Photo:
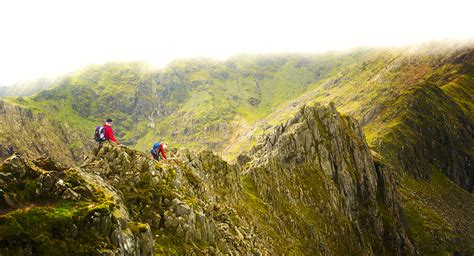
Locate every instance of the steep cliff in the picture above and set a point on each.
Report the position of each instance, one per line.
(317, 174)
(429, 130)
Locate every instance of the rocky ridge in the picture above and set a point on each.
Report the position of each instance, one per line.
(309, 188)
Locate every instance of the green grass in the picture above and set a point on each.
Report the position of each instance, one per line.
(439, 213)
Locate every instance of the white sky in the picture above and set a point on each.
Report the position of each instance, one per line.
(52, 37)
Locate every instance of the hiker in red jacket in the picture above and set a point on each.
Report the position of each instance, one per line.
(109, 133)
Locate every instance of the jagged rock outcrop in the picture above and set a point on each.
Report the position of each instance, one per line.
(184, 201)
(317, 174)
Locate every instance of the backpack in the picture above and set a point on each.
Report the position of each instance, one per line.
(155, 147)
(99, 135)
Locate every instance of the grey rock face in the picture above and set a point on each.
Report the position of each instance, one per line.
(318, 162)
(183, 210)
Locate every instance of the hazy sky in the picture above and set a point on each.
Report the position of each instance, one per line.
(52, 37)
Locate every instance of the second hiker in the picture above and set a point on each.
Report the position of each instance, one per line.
(157, 149)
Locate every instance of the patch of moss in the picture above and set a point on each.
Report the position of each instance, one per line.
(191, 201)
(138, 227)
(26, 190)
(47, 230)
(73, 177)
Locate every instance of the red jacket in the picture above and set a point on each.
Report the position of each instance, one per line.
(162, 150)
(158, 150)
(109, 133)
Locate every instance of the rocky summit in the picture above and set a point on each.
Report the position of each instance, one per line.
(311, 187)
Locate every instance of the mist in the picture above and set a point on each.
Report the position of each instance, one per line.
(49, 38)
